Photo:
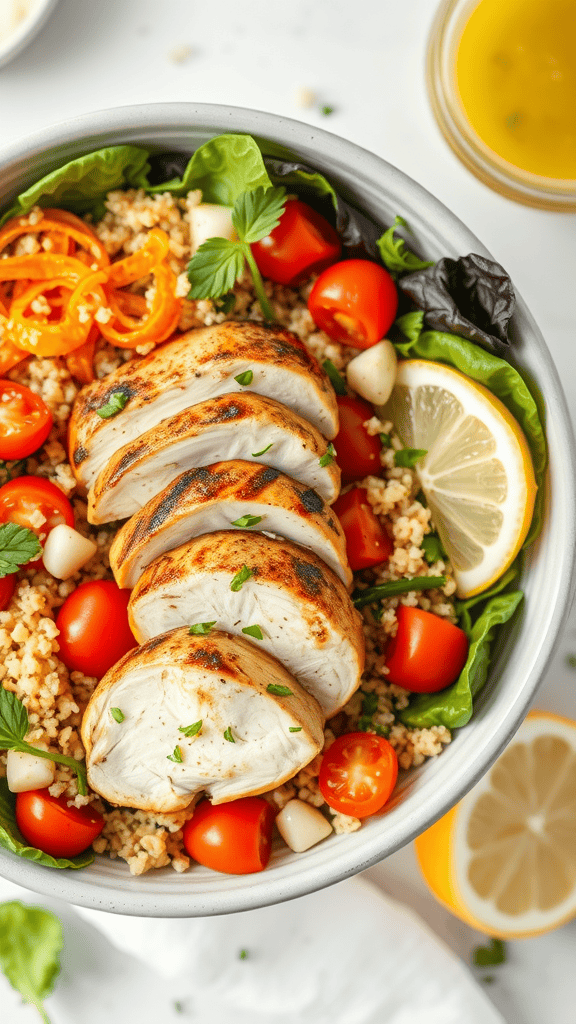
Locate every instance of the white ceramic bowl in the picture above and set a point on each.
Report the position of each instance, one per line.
(27, 28)
(522, 656)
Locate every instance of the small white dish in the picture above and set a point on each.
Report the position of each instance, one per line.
(26, 25)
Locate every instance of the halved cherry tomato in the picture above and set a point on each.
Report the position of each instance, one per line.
(7, 584)
(235, 837)
(25, 421)
(21, 498)
(47, 823)
(367, 543)
(354, 302)
(357, 451)
(303, 244)
(94, 629)
(358, 773)
(427, 653)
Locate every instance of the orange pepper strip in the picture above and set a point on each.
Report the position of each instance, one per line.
(42, 266)
(56, 338)
(60, 221)
(9, 355)
(142, 262)
(80, 362)
(162, 319)
(129, 309)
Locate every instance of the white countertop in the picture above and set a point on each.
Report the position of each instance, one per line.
(366, 60)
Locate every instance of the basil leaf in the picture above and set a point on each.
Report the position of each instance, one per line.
(222, 168)
(201, 628)
(408, 457)
(113, 406)
(175, 756)
(191, 730)
(228, 735)
(117, 715)
(13, 719)
(256, 455)
(393, 587)
(30, 945)
(246, 521)
(453, 707)
(240, 578)
(254, 631)
(257, 213)
(411, 324)
(432, 547)
(336, 379)
(214, 268)
(245, 378)
(279, 691)
(17, 547)
(328, 457)
(395, 254)
(12, 839)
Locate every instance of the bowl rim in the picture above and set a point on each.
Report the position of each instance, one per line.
(495, 730)
(26, 30)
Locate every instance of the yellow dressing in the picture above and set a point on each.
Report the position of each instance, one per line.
(516, 77)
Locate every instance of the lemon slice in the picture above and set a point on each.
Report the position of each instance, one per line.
(504, 859)
(477, 474)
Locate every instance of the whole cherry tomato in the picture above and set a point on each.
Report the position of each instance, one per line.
(21, 500)
(367, 543)
(94, 629)
(358, 773)
(47, 823)
(25, 421)
(427, 653)
(354, 302)
(234, 837)
(302, 244)
(7, 584)
(357, 451)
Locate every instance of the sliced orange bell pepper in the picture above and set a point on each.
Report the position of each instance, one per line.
(162, 318)
(62, 223)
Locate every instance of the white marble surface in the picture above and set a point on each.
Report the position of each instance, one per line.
(366, 60)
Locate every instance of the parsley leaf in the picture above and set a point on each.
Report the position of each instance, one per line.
(216, 264)
(329, 456)
(326, 110)
(176, 756)
(295, 728)
(13, 728)
(279, 691)
(255, 455)
(240, 578)
(378, 593)
(254, 631)
(113, 406)
(336, 379)
(117, 715)
(226, 303)
(191, 730)
(408, 457)
(243, 954)
(571, 660)
(201, 628)
(245, 378)
(256, 213)
(490, 955)
(17, 547)
(395, 255)
(30, 945)
(247, 520)
(369, 709)
(228, 735)
(432, 547)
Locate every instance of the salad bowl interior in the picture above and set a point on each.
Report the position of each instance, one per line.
(522, 651)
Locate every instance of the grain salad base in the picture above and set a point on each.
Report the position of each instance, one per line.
(56, 698)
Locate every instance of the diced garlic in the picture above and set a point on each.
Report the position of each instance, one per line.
(66, 551)
(372, 373)
(301, 825)
(26, 771)
(208, 220)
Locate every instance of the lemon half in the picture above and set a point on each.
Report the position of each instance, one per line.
(504, 859)
(477, 474)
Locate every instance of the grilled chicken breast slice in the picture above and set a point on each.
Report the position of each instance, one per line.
(244, 426)
(301, 608)
(175, 681)
(199, 365)
(216, 498)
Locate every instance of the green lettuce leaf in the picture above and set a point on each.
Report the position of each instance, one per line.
(82, 184)
(453, 707)
(463, 608)
(223, 168)
(30, 945)
(504, 381)
(12, 839)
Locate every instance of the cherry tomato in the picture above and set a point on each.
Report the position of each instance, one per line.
(367, 543)
(358, 773)
(47, 823)
(7, 584)
(25, 421)
(22, 498)
(302, 244)
(94, 630)
(357, 452)
(427, 653)
(235, 837)
(354, 302)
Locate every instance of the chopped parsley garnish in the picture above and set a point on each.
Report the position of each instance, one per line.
(491, 955)
(279, 691)
(369, 709)
(571, 660)
(228, 735)
(243, 954)
(113, 406)
(219, 262)
(408, 457)
(326, 110)
(384, 440)
(394, 252)
(245, 378)
(17, 547)
(263, 452)
(176, 756)
(329, 456)
(13, 728)
(240, 578)
(117, 715)
(294, 728)
(378, 593)
(254, 631)
(201, 628)
(246, 521)
(336, 379)
(191, 730)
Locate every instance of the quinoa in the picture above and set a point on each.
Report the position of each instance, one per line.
(29, 650)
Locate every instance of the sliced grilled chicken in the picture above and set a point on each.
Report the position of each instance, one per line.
(300, 608)
(226, 689)
(218, 497)
(199, 365)
(243, 426)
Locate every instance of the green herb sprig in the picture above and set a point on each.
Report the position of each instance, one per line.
(17, 547)
(13, 727)
(201, 628)
(116, 402)
(254, 631)
(256, 455)
(244, 379)
(228, 735)
(378, 593)
(328, 457)
(369, 709)
(117, 715)
(408, 457)
(191, 730)
(219, 262)
(336, 379)
(30, 945)
(245, 522)
(278, 690)
(491, 955)
(240, 578)
(175, 756)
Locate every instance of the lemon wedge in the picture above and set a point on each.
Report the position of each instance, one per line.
(477, 473)
(504, 859)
